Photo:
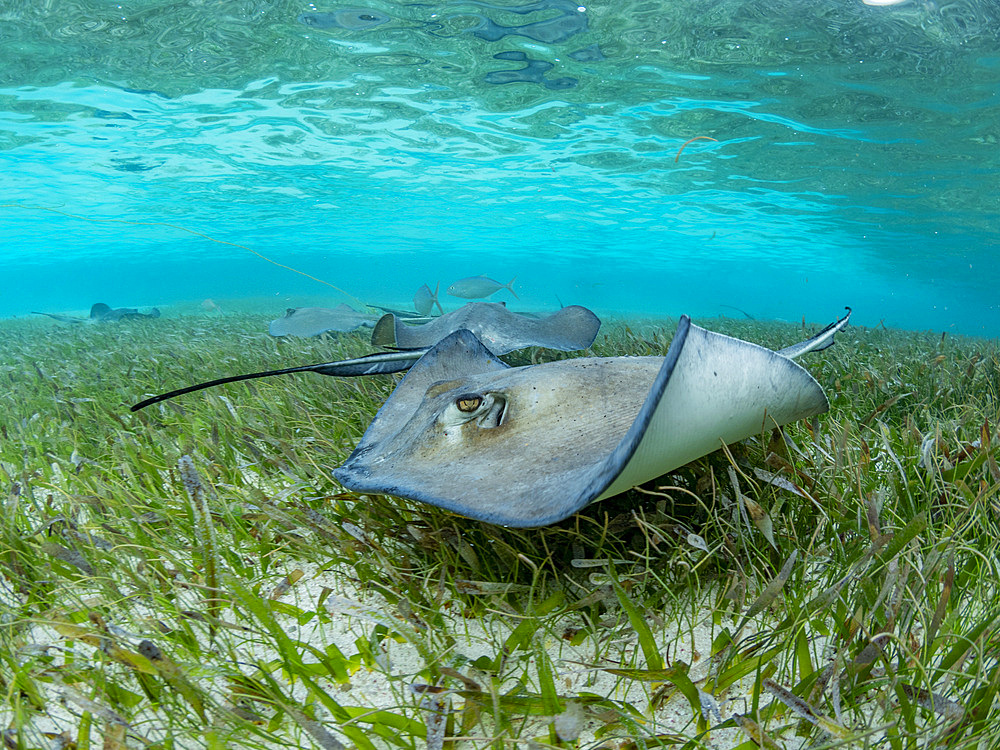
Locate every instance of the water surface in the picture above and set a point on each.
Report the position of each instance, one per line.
(384, 146)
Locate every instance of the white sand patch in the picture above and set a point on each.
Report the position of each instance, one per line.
(576, 668)
(325, 610)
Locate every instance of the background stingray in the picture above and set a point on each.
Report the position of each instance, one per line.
(312, 321)
(500, 330)
(103, 313)
(530, 446)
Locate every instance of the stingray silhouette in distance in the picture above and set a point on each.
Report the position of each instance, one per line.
(103, 313)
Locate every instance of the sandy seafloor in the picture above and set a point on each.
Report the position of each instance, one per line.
(354, 614)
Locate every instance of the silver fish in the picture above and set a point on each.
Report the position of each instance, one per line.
(477, 287)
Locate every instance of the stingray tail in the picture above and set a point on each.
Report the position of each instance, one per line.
(61, 318)
(510, 287)
(371, 364)
(819, 342)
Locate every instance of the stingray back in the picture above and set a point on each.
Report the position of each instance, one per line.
(572, 431)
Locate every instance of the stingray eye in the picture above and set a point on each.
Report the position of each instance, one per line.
(468, 403)
(474, 410)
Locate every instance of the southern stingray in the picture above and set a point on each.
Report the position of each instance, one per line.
(530, 446)
(103, 313)
(312, 321)
(500, 330)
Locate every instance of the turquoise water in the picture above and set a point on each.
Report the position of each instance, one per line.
(855, 158)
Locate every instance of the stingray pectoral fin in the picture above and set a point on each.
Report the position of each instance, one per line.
(569, 329)
(419, 333)
(712, 389)
(384, 334)
(99, 310)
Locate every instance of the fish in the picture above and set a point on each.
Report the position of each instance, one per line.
(477, 287)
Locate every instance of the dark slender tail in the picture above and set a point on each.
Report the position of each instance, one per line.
(372, 364)
(819, 342)
(745, 313)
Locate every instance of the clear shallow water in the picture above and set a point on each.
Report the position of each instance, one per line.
(855, 160)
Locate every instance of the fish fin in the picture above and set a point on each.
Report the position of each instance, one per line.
(435, 300)
(510, 288)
